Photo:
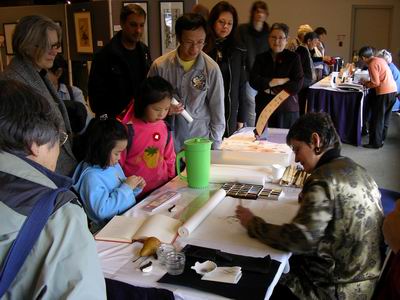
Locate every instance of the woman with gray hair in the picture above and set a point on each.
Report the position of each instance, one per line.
(336, 236)
(63, 262)
(386, 55)
(36, 42)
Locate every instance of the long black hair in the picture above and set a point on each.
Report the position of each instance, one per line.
(216, 11)
(99, 139)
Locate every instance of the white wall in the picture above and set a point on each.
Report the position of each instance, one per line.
(334, 15)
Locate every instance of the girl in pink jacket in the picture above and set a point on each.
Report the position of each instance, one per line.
(150, 152)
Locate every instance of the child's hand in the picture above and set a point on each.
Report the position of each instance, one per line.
(135, 182)
(175, 109)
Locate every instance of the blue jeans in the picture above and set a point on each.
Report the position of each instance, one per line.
(251, 105)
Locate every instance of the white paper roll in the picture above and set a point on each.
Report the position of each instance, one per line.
(223, 174)
(184, 113)
(191, 224)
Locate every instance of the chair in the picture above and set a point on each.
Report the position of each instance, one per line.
(388, 199)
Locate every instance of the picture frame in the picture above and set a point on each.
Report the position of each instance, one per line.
(169, 12)
(8, 35)
(83, 32)
(145, 36)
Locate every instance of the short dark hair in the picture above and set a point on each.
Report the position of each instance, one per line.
(60, 63)
(320, 123)
(320, 31)
(220, 7)
(30, 36)
(366, 51)
(280, 26)
(310, 36)
(201, 10)
(152, 90)
(26, 117)
(100, 138)
(130, 9)
(257, 5)
(189, 21)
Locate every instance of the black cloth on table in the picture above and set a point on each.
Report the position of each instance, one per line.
(257, 273)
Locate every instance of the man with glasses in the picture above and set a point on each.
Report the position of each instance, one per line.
(197, 83)
(36, 42)
(120, 67)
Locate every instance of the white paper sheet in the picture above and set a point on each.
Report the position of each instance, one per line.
(234, 235)
(225, 173)
(191, 224)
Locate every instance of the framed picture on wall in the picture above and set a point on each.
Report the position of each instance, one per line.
(8, 34)
(83, 32)
(145, 36)
(169, 12)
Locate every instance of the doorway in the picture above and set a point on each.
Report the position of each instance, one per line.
(371, 26)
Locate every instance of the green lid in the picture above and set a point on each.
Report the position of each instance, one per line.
(198, 143)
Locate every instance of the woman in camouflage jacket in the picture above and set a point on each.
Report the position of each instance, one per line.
(335, 237)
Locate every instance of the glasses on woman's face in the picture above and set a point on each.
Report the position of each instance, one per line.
(63, 136)
(191, 44)
(54, 46)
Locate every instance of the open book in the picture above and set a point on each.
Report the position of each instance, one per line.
(128, 229)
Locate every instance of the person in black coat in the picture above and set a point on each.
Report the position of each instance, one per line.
(119, 68)
(310, 76)
(231, 58)
(273, 71)
(254, 37)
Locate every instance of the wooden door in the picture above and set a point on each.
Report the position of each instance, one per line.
(371, 26)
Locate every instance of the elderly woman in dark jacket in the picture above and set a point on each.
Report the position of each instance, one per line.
(36, 42)
(273, 71)
(231, 59)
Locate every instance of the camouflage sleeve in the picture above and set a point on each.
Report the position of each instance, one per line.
(307, 228)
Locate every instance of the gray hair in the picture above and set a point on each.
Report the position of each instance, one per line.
(386, 55)
(28, 41)
(26, 117)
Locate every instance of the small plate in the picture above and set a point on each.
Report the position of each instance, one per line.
(205, 267)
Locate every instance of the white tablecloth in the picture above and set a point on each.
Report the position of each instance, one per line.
(116, 258)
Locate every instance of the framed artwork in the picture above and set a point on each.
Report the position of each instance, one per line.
(169, 12)
(145, 36)
(83, 32)
(8, 34)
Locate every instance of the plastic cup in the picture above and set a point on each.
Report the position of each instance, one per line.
(277, 171)
(162, 252)
(175, 263)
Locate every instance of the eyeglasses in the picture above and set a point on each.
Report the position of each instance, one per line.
(63, 136)
(199, 44)
(279, 39)
(55, 46)
(223, 23)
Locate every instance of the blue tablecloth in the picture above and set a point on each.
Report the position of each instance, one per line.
(345, 109)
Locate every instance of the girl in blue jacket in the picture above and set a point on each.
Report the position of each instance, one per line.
(104, 189)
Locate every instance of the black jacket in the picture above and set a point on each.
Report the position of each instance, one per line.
(232, 62)
(113, 83)
(287, 64)
(254, 41)
(306, 63)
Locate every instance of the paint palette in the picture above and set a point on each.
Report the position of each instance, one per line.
(244, 191)
(270, 194)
